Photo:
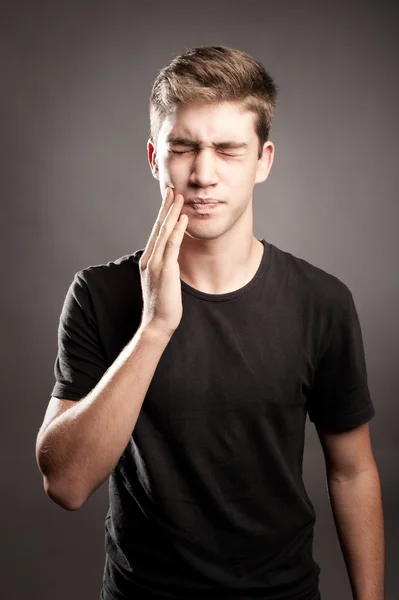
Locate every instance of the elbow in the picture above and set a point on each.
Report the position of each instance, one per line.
(59, 491)
(67, 501)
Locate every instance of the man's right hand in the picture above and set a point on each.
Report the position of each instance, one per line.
(159, 268)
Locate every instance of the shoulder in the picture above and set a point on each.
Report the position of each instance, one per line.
(316, 286)
(122, 270)
(110, 288)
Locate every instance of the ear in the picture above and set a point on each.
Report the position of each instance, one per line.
(265, 162)
(152, 158)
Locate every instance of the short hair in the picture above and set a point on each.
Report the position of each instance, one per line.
(212, 74)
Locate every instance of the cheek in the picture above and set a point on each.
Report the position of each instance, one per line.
(172, 166)
(165, 169)
(180, 172)
(240, 174)
(171, 172)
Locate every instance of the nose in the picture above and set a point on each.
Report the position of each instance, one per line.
(204, 168)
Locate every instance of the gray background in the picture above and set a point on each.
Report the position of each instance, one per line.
(76, 190)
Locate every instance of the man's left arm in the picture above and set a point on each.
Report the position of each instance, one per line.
(356, 501)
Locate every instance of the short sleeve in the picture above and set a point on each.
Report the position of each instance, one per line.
(80, 362)
(339, 397)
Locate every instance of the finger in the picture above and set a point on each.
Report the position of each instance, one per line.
(166, 229)
(163, 211)
(173, 244)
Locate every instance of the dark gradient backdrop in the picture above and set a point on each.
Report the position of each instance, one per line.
(76, 190)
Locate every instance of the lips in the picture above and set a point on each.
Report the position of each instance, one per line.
(203, 209)
(201, 201)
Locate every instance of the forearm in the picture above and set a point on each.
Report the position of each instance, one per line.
(82, 446)
(358, 514)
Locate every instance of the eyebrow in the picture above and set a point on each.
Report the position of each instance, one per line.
(183, 141)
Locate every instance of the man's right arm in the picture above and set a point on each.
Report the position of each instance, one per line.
(80, 447)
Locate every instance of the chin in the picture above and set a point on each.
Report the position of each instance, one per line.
(203, 235)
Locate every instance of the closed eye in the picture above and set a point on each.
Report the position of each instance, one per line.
(187, 151)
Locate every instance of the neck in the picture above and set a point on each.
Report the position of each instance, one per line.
(220, 265)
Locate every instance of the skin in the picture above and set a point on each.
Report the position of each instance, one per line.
(219, 252)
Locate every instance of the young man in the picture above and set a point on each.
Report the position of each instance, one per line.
(186, 370)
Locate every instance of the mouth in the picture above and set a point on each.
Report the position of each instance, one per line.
(202, 201)
(204, 207)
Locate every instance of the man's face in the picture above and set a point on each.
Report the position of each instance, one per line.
(211, 151)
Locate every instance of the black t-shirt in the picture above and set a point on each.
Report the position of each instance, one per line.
(207, 499)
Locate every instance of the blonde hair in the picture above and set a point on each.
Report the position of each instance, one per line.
(213, 74)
